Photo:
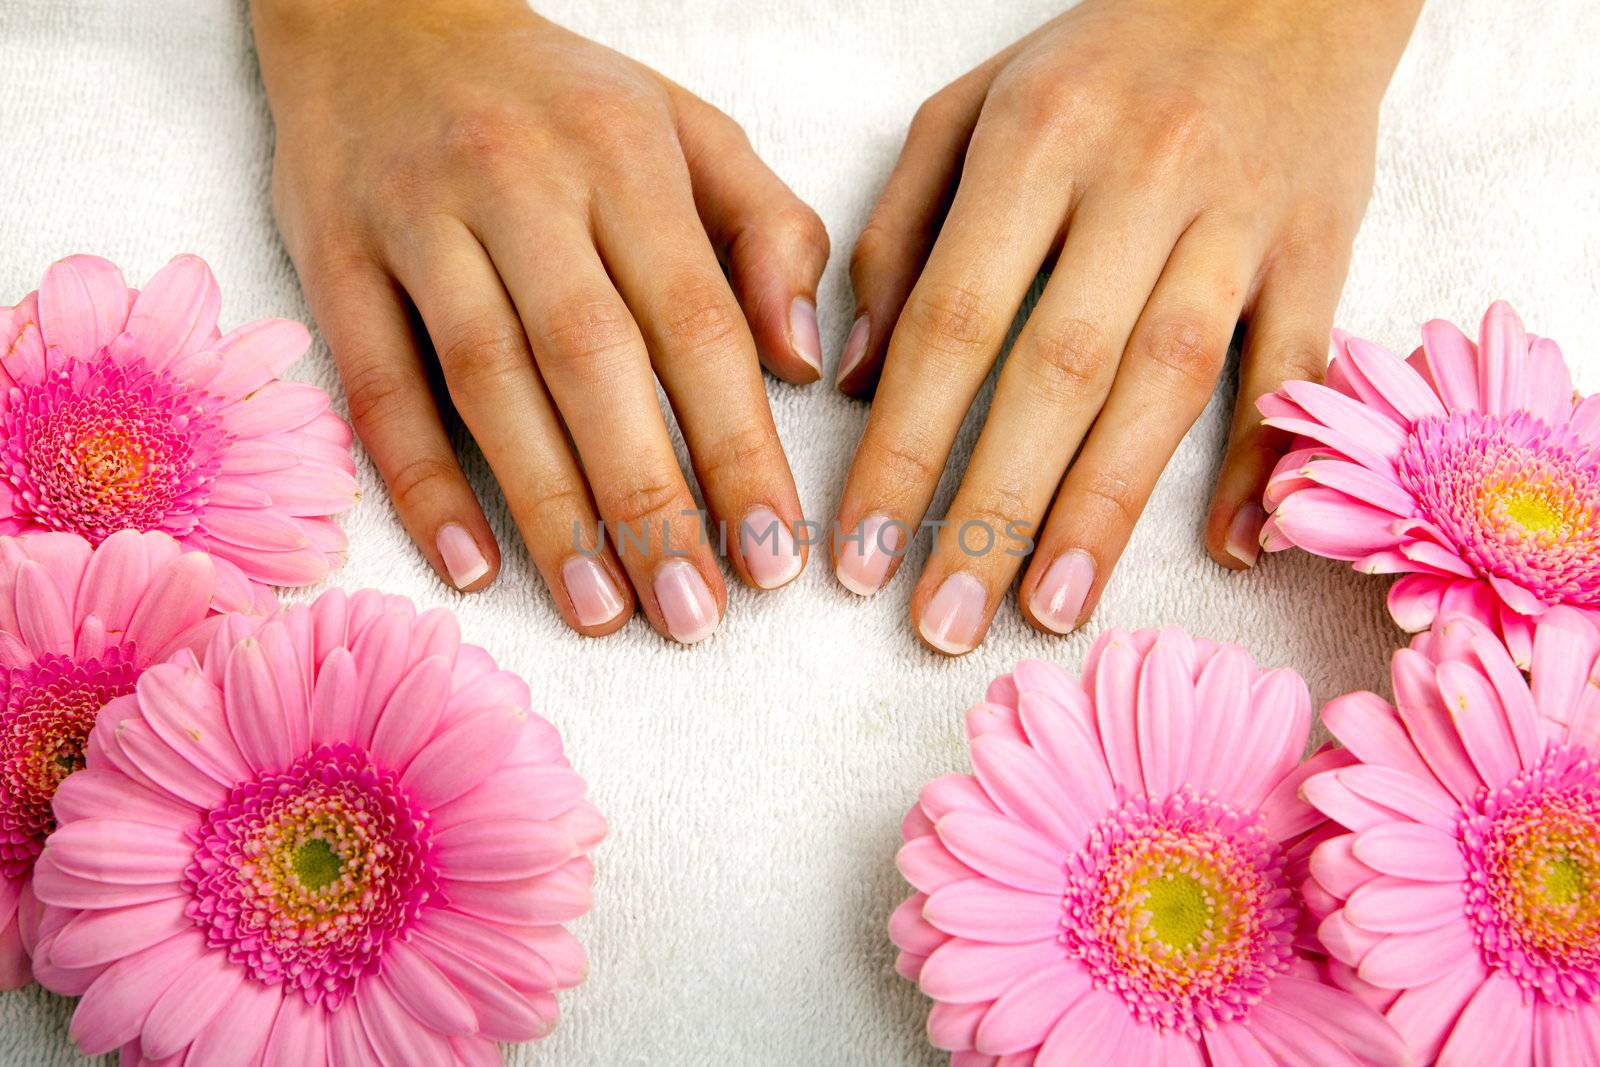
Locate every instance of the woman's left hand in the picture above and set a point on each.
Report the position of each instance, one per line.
(1184, 164)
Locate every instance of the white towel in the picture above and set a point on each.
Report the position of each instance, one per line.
(754, 785)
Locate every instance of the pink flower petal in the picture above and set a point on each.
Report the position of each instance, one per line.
(1370, 727)
(83, 305)
(1429, 723)
(954, 1027)
(1334, 409)
(1296, 1043)
(1115, 689)
(91, 792)
(115, 1005)
(1502, 344)
(1494, 1027)
(910, 932)
(176, 314)
(1024, 1015)
(1165, 719)
(1331, 524)
(298, 1035)
(396, 1035)
(1068, 743)
(334, 700)
(125, 853)
(1398, 906)
(185, 711)
(1403, 961)
(1005, 850)
(1232, 1045)
(499, 1011)
(1361, 484)
(97, 938)
(964, 971)
(1481, 721)
(558, 896)
(1025, 788)
(534, 960)
(1414, 601)
(1452, 362)
(1358, 1029)
(929, 866)
(238, 1034)
(460, 756)
(1279, 727)
(1410, 850)
(1097, 1023)
(1397, 383)
(196, 996)
(1336, 869)
(146, 753)
(502, 851)
(256, 353)
(411, 714)
(986, 911)
(425, 992)
(1405, 794)
(43, 615)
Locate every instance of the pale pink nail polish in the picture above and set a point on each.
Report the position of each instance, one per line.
(769, 549)
(864, 560)
(1060, 596)
(463, 560)
(855, 349)
(686, 602)
(954, 616)
(595, 598)
(1244, 534)
(803, 334)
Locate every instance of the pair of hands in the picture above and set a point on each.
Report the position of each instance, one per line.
(559, 228)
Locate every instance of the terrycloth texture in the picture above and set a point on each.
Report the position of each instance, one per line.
(755, 784)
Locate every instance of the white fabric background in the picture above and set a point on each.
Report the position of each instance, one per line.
(755, 784)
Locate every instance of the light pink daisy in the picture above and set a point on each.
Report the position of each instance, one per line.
(1470, 469)
(1114, 884)
(78, 625)
(342, 838)
(125, 410)
(1466, 892)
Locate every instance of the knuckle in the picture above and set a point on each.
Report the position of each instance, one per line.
(486, 136)
(372, 388)
(1045, 101)
(578, 331)
(552, 503)
(874, 249)
(910, 462)
(419, 479)
(475, 354)
(643, 502)
(1069, 357)
(951, 317)
(798, 228)
(701, 314)
(1114, 494)
(1185, 349)
(737, 452)
(1183, 127)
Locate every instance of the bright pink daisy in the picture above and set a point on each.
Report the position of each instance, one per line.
(78, 625)
(340, 839)
(1115, 883)
(1470, 469)
(1466, 892)
(125, 410)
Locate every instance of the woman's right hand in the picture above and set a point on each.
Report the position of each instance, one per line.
(555, 213)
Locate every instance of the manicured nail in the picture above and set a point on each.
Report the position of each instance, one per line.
(803, 335)
(1244, 534)
(595, 598)
(1058, 600)
(769, 549)
(686, 602)
(864, 562)
(855, 349)
(463, 561)
(954, 616)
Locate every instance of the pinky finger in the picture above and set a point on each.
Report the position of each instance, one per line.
(363, 317)
(1287, 339)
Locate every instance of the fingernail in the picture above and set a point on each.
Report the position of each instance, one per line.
(463, 561)
(594, 595)
(769, 549)
(803, 335)
(855, 349)
(953, 617)
(1059, 598)
(1244, 534)
(864, 563)
(686, 602)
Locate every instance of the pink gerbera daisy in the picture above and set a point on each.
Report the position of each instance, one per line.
(125, 410)
(1467, 891)
(343, 838)
(1114, 885)
(78, 625)
(1469, 468)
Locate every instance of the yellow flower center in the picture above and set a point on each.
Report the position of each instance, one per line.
(1179, 909)
(316, 864)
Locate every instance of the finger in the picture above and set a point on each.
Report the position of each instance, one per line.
(1052, 387)
(703, 353)
(987, 255)
(775, 246)
(592, 359)
(369, 333)
(1168, 374)
(1287, 338)
(900, 232)
(492, 381)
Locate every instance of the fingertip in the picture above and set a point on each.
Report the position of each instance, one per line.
(468, 562)
(804, 337)
(598, 600)
(954, 617)
(1057, 596)
(855, 374)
